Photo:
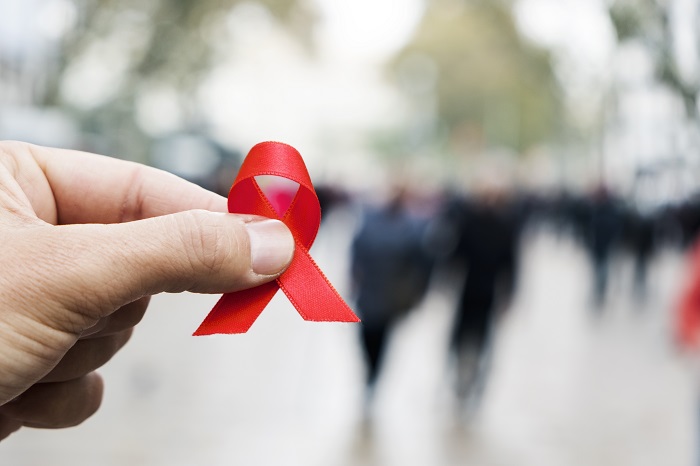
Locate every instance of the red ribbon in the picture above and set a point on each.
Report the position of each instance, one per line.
(303, 282)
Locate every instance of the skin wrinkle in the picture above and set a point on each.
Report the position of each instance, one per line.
(134, 262)
(203, 235)
(32, 342)
(33, 193)
(22, 344)
(31, 335)
(88, 259)
(44, 163)
(32, 150)
(213, 258)
(128, 316)
(196, 242)
(16, 217)
(39, 273)
(82, 258)
(13, 197)
(19, 202)
(8, 160)
(70, 323)
(239, 248)
(132, 196)
(225, 247)
(169, 269)
(192, 242)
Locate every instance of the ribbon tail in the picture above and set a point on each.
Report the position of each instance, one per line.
(311, 293)
(236, 312)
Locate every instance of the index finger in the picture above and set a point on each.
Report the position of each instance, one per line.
(91, 188)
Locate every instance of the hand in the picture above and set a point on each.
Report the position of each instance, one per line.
(84, 241)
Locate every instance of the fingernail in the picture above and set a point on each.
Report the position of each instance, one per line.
(271, 246)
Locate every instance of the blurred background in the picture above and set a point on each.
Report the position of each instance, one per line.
(510, 202)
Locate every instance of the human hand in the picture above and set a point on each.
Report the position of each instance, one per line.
(85, 240)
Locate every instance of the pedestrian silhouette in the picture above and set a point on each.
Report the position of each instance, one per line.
(390, 274)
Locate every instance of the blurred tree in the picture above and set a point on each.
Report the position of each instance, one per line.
(144, 44)
(649, 21)
(485, 84)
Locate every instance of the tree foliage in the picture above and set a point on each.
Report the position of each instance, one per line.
(168, 42)
(649, 21)
(490, 83)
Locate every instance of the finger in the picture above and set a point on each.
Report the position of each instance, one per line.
(8, 426)
(57, 405)
(122, 319)
(91, 188)
(86, 356)
(200, 251)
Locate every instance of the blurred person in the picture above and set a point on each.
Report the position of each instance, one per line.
(86, 240)
(569, 215)
(688, 317)
(390, 270)
(686, 216)
(687, 322)
(639, 236)
(330, 197)
(601, 234)
(487, 235)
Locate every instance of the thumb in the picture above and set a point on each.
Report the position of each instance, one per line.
(196, 250)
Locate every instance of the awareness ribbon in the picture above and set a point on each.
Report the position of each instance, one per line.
(305, 285)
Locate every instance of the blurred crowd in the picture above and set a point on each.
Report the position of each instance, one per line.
(471, 241)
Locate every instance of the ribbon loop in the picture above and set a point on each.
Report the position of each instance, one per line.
(305, 285)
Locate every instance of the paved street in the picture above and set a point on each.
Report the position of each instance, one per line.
(567, 387)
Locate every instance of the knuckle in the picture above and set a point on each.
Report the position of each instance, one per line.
(206, 242)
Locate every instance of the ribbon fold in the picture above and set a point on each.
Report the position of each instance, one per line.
(305, 285)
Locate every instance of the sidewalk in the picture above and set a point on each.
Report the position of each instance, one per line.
(566, 388)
